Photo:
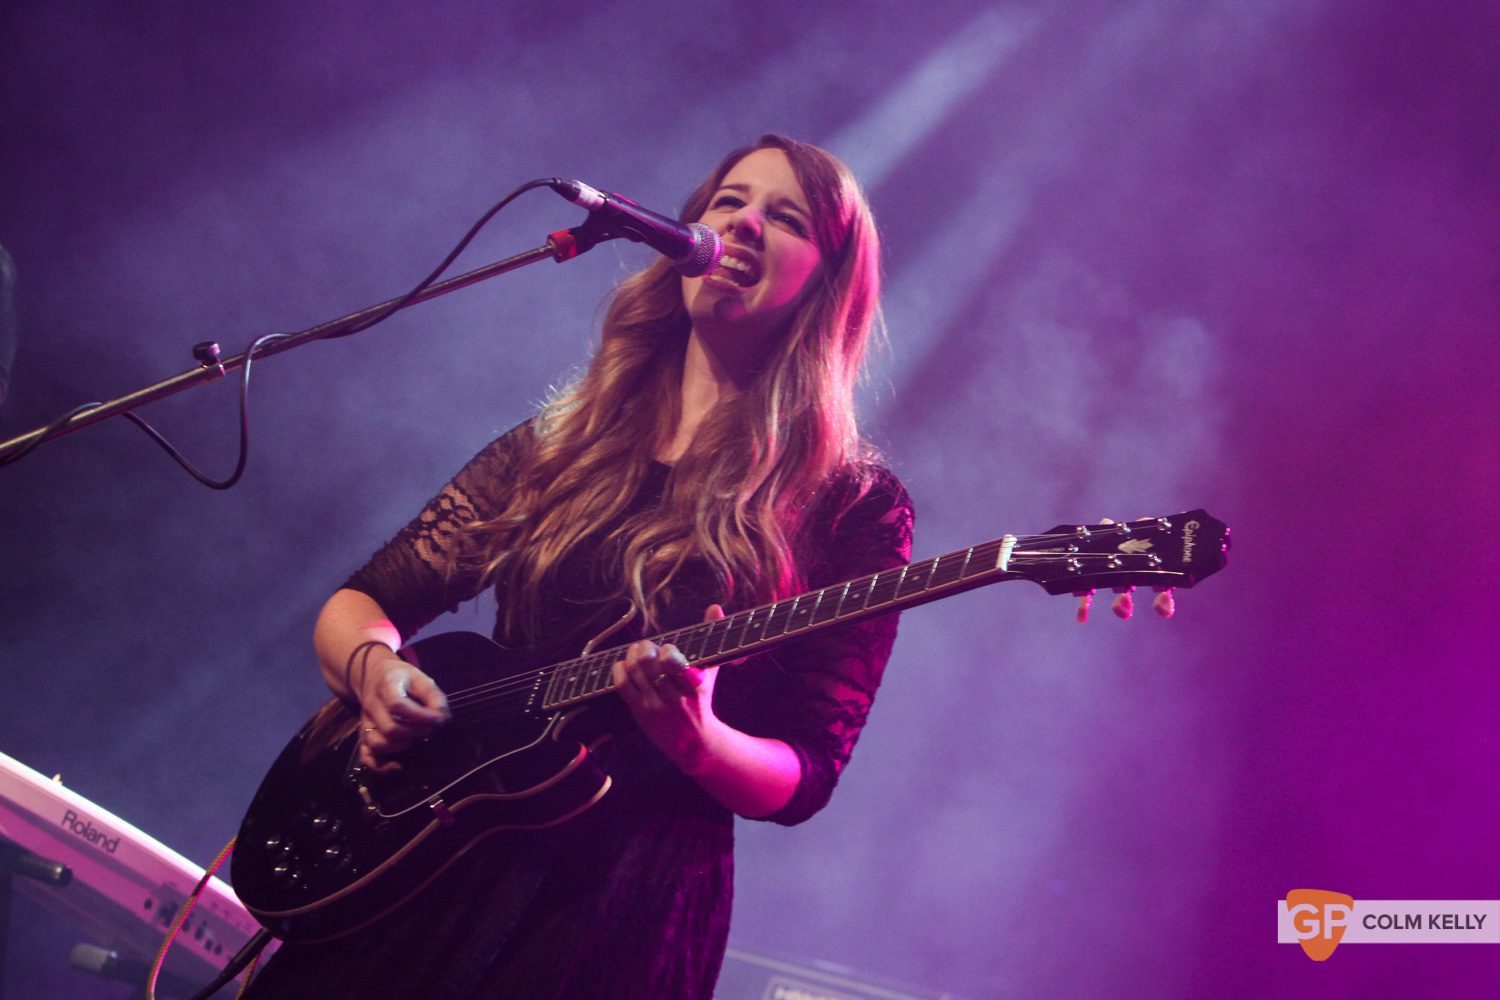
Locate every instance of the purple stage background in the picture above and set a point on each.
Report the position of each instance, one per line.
(1142, 256)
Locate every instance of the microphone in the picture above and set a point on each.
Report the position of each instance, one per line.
(693, 248)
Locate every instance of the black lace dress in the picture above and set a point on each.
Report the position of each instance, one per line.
(632, 898)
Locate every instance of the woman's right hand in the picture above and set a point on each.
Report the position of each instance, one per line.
(399, 705)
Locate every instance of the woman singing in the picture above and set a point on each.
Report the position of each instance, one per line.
(708, 459)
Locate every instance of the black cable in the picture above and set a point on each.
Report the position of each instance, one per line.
(242, 958)
(239, 467)
(47, 431)
(258, 343)
(406, 299)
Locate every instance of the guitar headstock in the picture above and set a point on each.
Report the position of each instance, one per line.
(1173, 551)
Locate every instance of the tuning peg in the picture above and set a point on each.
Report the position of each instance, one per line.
(1163, 603)
(1123, 605)
(1085, 601)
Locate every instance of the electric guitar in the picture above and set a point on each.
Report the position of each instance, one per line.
(328, 846)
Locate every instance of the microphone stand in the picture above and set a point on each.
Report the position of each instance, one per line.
(565, 244)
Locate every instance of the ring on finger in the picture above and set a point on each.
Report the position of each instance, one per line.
(661, 679)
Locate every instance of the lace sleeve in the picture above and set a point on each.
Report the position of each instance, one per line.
(815, 694)
(417, 576)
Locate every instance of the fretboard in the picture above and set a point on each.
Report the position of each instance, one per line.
(758, 629)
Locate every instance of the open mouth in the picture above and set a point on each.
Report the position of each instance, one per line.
(738, 270)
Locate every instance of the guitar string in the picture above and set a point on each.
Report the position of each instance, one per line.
(515, 692)
(509, 700)
(585, 666)
(528, 679)
(482, 701)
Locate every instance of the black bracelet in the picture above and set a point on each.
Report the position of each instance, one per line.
(364, 664)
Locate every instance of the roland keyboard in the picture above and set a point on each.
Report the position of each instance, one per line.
(127, 886)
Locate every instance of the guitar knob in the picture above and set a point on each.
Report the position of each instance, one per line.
(272, 842)
(286, 873)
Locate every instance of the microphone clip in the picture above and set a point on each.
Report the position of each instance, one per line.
(569, 243)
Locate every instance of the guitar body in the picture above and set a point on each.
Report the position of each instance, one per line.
(327, 846)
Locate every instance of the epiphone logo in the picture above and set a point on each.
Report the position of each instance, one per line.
(88, 831)
(1187, 540)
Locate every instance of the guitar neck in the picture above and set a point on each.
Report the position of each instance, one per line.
(1173, 551)
(770, 625)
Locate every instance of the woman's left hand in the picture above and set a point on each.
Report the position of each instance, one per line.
(671, 700)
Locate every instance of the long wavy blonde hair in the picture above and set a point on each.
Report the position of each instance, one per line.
(737, 498)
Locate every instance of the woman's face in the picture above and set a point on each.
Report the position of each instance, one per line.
(770, 258)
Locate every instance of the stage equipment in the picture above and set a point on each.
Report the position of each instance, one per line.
(749, 976)
(693, 248)
(562, 245)
(126, 886)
